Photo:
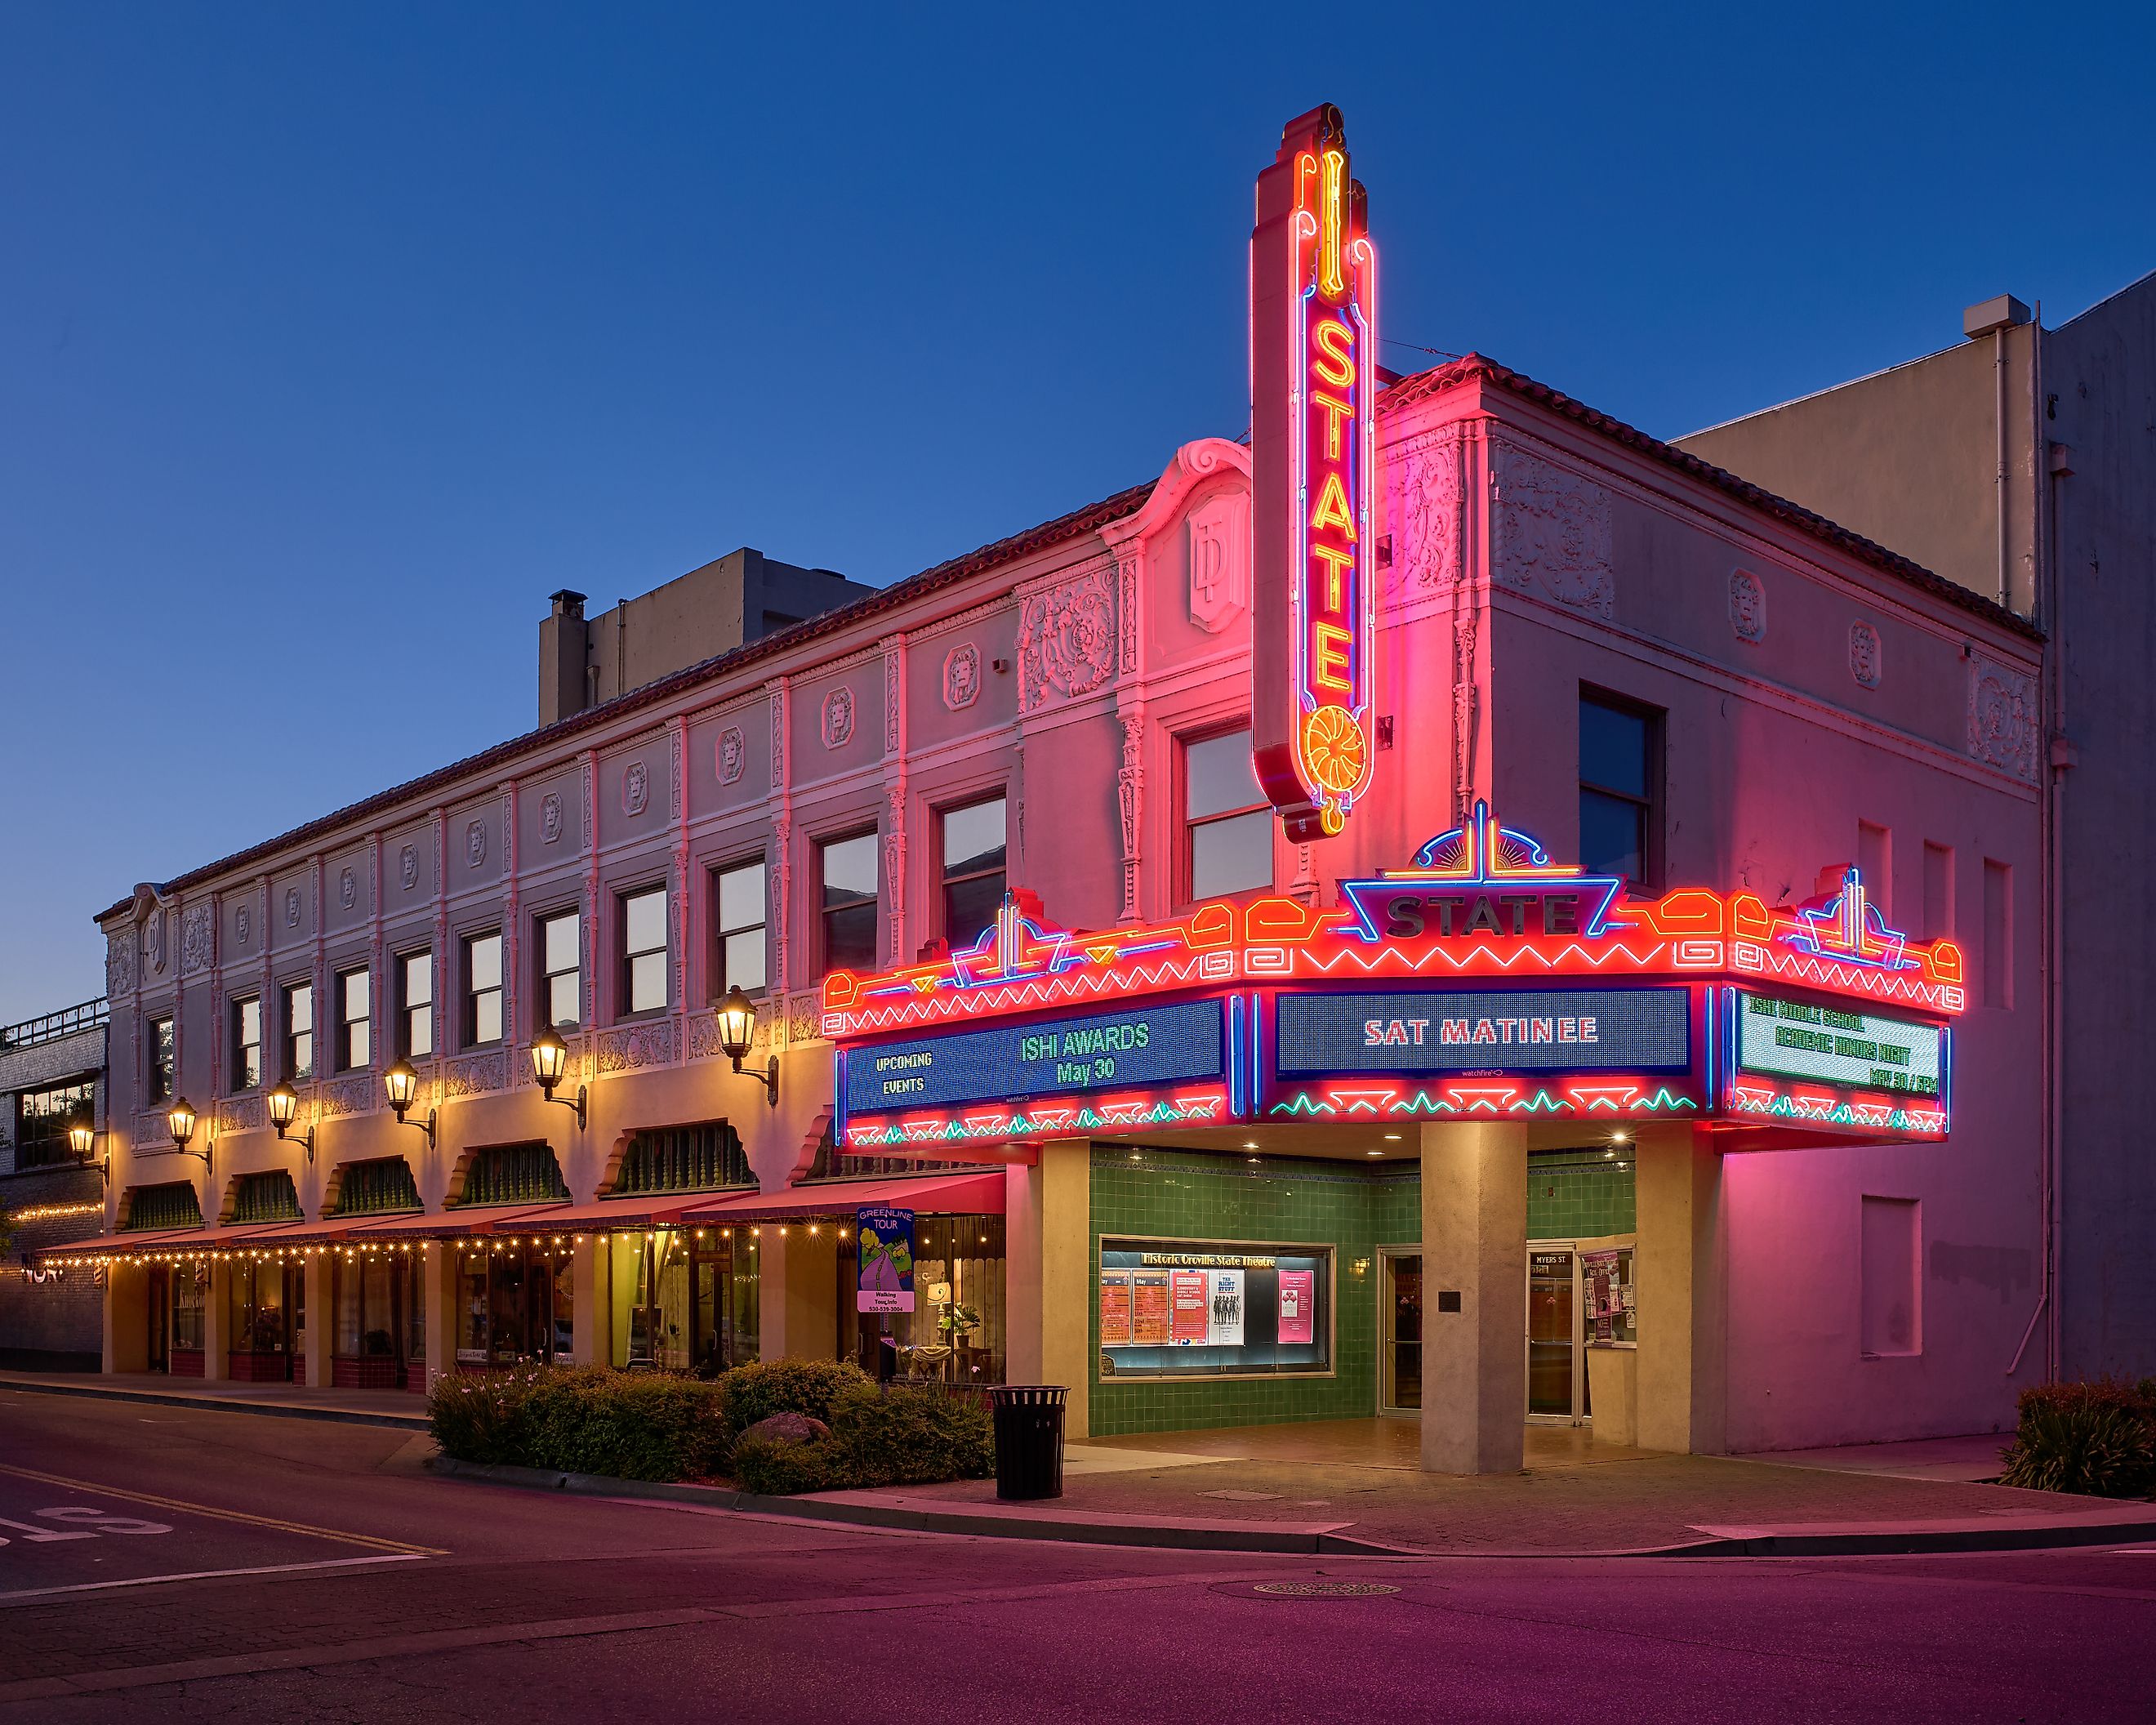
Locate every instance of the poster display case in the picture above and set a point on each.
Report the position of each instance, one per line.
(1214, 1308)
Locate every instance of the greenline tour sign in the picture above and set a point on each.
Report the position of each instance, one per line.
(886, 1281)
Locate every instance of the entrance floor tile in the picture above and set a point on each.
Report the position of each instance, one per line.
(1394, 1441)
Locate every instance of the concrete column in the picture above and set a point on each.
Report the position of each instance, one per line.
(1022, 1332)
(217, 1323)
(437, 1271)
(810, 1294)
(322, 1318)
(126, 1317)
(589, 1288)
(1681, 1273)
(1474, 1297)
(1048, 1274)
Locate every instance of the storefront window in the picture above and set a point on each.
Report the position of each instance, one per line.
(380, 1311)
(1199, 1308)
(514, 1304)
(955, 1332)
(263, 1307)
(1611, 1311)
(190, 1297)
(684, 1301)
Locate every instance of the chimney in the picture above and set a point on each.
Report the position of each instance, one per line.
(561, 654)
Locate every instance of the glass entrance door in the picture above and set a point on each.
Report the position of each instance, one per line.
(1400, 1345)
(160, 1315)
(1554, 1354)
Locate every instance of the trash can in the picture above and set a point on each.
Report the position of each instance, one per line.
(1029, 1421)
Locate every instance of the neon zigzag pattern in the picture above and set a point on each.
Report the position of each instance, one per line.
(1481, 1099)
(997, 999)
(1616, 955)
(1832, 1112)
(1106, 1116)
(1832, 977)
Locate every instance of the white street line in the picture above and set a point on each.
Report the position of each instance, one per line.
(93, 1587)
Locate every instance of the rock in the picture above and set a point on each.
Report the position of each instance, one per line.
(789, 1428)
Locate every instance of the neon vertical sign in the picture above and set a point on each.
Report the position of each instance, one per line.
(1313, 373)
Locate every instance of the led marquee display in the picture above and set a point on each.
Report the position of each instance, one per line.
(1833, 1045)
(1135, 1049)
(1555, 1030)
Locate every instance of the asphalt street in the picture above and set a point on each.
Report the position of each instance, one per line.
(180, 1565)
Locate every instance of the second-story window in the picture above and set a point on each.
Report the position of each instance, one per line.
(354, 1021)
(415, 1005)
(846, 869)
(561, 971)
(740, 957)
(247, 1043)
(972, 867)
(299, 1032)
(1227, 825)
(482, 990)
(162, 1047)
(643, 951)
(1619, 788)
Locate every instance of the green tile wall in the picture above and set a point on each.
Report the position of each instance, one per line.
(1189, 1195)
(1578, 1194)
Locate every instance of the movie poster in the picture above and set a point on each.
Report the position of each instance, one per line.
(1149, 1316)
(1190, 1298)
(1116, 1309)
(1223, 1308)
(1298, 1307)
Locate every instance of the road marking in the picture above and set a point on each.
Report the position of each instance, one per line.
(93, 1587)
(225, 1515)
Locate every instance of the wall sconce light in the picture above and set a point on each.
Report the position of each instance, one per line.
(82, 1139)
(550, 1061)
(180, 1122)
(283, 1105)
(736, 1020)
(402, 1084)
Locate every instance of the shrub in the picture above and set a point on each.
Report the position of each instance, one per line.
(2097, 1437)
(774, 1468)
(481, 1417)
(911, 1435)
(786, 1386)
(627, 1425)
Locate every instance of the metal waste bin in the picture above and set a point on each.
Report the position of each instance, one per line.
(1028, 1422)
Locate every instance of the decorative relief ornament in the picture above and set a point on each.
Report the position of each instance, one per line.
(962, 677)
(1748, 606)
(291, 907)
(1552, 532)
(242, 925)
(1426, 553)
(549, 818)
(153, 938)
(1066, 639)
(837, 718)
(2002, 717)
(197, 940)
(1864, 653)
(732, 754)
(476, 844)
(408, 866)
(636, 789)
(1219, 547)
(347, 888)
(120, 962)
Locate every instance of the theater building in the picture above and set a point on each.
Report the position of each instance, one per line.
(1452, 910)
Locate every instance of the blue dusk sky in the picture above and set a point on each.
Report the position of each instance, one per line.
(333, 338)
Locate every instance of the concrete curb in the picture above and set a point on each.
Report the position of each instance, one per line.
(1301, 1541)
(274, 1410)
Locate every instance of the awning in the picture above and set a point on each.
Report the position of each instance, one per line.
(980, 1195)
(133, 1239)
(452, 1224)
(655, 1209)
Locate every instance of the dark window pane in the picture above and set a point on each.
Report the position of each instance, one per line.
(1218, 777)
(970, 906)
(850, 870)
(850, 937)
(1613, 748)
(1232, 855)
(1612, 836)
(973, 838)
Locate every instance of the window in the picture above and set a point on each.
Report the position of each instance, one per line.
(415, 1005)
(376, 1187)
(1997, 977)
(482, 990)
(160, 1059)
(247, 1043)
(703, 1158)
(269, 1197)
(561, 972)
(1619, 788)
(299, 1032)
(1227, 825)
(847, 869)
(972, 867)
(514, 1174)
(644, 952)
(42, 1120)
(739, 956)
(168, 1205)
(1231, 1308)
(354, 1021)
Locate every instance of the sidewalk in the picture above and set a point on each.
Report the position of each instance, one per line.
(400, 1409)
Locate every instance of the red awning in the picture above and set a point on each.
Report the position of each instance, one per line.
(453, 1224)
(654, 1209)
(980, 1195)
(136, 1240)
(232, 1235)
